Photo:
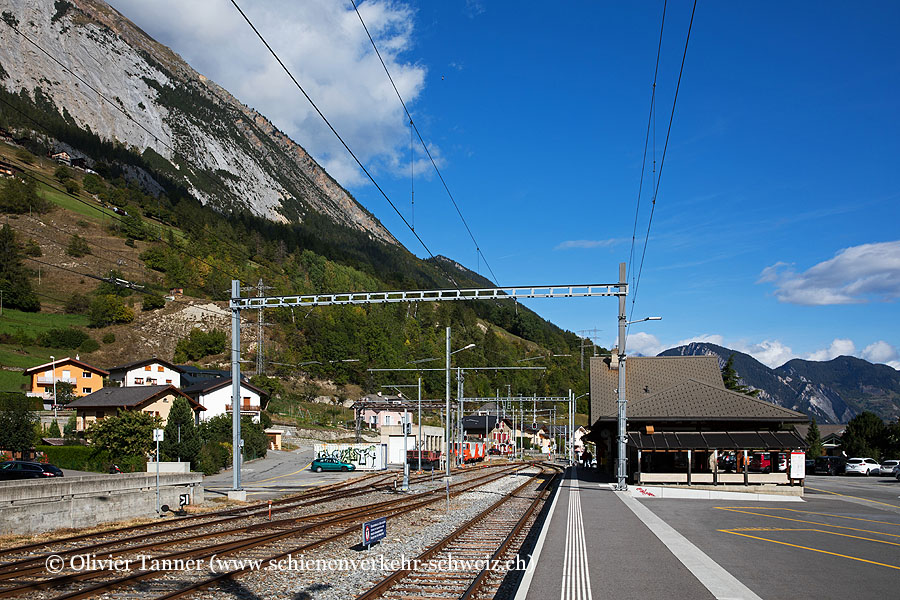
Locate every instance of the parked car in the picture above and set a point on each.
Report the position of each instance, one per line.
(761, 463)
(727, 462)
(829, 465)
(861, 466)
(888, 467)
(331, 464)
(26, 469)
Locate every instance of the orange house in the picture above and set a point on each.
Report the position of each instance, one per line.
(85, 379)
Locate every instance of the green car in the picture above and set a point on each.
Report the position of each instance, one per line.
(331, 464)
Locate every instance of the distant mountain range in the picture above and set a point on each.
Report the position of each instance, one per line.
(832, 391)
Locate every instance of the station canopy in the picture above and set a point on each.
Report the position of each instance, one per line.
(716, 440)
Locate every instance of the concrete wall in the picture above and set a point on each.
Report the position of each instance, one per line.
(169, 467)
(74, 502)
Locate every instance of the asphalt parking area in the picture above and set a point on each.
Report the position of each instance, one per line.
(833, 545)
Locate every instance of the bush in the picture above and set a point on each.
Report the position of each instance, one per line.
(89, 345)
(85, 458)
(199, 344)
(57, 337)
(108, 310)
(19, 196)
(153, 302)
(54, 431)
(32, 248)
(93, 184)
(62, 173)
(78, 304)
(109, 338)
(78, 246)
(72, 186)
(213, 457)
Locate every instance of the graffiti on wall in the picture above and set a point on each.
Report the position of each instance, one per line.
(362, 456)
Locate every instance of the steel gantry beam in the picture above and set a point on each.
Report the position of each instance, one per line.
(237, 304)
(500, 293)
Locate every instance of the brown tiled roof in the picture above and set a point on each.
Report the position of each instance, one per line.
(63, 361)
(129, 397)
(647, 375)
(678, 388)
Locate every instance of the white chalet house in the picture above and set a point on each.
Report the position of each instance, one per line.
(150, 371)
(215, 396)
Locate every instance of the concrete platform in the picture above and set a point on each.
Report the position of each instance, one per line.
(598, 543)
(710, 493)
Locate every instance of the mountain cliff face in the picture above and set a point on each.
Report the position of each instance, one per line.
(831, 391)
(184, 125)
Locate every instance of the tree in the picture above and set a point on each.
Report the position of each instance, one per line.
(17, 423)
(65, 392)
(107, 310)
(732, 380)
(53, 431)
(19, 196)
(199, 344)
(814, 439)
(14, 281)
(128, 434)
(180, 426)
(78, 246)
(152, 302)
(864, 436)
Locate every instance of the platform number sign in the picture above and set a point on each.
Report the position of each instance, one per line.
(374, 531)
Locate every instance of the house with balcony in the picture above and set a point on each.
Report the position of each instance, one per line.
(84, 378)
(215, 396)
(375, 410)
(149, 371)
(155, 400)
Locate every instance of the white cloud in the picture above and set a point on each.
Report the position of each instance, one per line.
(838, 347)
(586, 244)
(711, 338)
(644, 344)
(869, 272)
(326, 48)
(882, 352)
(772, 353)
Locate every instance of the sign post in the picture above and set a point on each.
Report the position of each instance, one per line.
(157, 437)
(374, 531)
(797, 468)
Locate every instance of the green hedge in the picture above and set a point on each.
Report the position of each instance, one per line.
(85, 458)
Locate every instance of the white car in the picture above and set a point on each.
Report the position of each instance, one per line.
(889, 467)
(861, 466)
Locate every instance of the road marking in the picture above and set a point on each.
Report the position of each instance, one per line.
(871, 562)
(856, 497)
(280, 476)
(576, 579)
(857, 537)
(747, 512)
(811, 512)
(720, 583)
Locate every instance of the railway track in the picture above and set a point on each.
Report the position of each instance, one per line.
(256, 540)
(474, 560)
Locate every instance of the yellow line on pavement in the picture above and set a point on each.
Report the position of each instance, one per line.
(811, 512)
(856, 497)
(809, 529)
(871, 562)
(804, 521)
(280, 476)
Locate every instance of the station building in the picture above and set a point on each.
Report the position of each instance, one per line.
(684, 426)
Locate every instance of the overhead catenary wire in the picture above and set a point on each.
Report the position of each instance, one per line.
(424, 145)
(341, 140)
(662, 161)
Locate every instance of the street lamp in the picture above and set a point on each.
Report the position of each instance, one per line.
(621, 465)
(447, 394)
(53, 375)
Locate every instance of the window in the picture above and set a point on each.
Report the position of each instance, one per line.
(373, 419)
(67, 374)
(85, 374)
(147, 368)
(85, 390)
(387, 419)
(138, 381)
(160, 369)
(169, 381)
(151, 381)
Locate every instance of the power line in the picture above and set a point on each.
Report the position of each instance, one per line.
(424, 145)
(663, 159)
(647, 140)
(341, 140)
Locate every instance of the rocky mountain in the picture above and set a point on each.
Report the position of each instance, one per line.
(810, 386)
(182, 124)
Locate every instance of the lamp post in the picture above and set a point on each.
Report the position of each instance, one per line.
(572, 412)
(621, 466)
(53, 375)
(447, 394)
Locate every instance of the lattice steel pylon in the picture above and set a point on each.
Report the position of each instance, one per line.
(588, 334)
(237, 304)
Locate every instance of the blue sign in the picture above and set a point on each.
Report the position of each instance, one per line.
(374, 531)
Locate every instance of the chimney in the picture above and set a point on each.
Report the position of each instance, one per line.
(614, 359)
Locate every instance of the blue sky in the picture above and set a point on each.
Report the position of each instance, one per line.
(776, 225)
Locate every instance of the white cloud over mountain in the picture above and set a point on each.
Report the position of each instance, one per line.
(865, 273)
(326, 48)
